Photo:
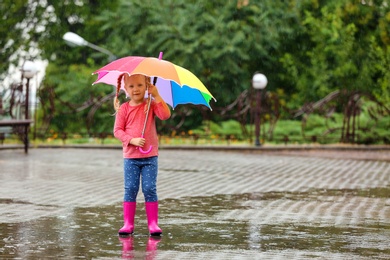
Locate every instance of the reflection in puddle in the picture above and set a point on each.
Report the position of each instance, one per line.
(129, 252)
(195, 225)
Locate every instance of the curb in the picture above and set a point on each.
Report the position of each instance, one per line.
(280, 148)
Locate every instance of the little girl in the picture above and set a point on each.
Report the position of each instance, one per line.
(138, 166)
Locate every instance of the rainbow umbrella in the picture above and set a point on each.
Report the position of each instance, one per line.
(175, 84)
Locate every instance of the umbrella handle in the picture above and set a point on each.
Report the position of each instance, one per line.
(147, 151)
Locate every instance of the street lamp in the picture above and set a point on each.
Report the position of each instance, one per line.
(75, 40)
(259, 82)
(28, 71)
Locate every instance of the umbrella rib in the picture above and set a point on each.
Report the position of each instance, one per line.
(173, 95)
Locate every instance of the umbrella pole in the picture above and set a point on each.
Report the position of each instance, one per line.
(146, 119)
(147, 112)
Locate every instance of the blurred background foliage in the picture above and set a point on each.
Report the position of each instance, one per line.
(306, 48)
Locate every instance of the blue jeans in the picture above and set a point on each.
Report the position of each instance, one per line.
(144, 169)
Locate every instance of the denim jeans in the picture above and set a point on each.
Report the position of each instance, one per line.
(136, 170)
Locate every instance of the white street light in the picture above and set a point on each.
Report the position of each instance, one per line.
(29, 69)
(75, 40)
(259, 82)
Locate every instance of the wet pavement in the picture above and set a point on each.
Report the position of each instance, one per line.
(66, 204)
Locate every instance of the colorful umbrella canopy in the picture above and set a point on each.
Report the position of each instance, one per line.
(176, 85)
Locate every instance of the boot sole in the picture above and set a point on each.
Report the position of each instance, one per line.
(156, 234)
(125, 234)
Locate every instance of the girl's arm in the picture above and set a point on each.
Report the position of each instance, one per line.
(119, 128)
(162, 110)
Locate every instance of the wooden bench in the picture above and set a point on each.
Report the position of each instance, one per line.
(20, 127)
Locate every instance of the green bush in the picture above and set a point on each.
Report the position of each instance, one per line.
(317, 129)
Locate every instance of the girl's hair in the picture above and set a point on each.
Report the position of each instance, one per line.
(117, 103)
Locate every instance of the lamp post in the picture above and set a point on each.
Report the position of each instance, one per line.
(75, 40)
(259, 82)
(28, 71)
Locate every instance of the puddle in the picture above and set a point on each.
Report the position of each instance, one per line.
(194, 225)
(13, 201)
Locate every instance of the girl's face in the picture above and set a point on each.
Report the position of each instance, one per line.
(135, 86)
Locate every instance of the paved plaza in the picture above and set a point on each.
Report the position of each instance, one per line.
(213, 205)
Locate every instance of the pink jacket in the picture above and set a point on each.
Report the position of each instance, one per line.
(129, 122)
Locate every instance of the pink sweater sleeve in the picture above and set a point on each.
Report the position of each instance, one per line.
(162, 110)
(120, 126)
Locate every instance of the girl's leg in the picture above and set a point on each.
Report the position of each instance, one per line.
(132, 174)
(132, 179)
(149, 183)
(149, 178)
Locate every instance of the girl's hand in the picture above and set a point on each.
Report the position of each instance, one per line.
(153, 91)
(138, 141)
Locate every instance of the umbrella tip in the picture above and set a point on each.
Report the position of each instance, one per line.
(160, 56)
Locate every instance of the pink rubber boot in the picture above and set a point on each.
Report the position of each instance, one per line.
(152, 216)
(128, 217)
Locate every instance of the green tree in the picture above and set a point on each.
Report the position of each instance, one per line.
(69, 89)
(34, 30)
(343, 49)
(342, 45)
(222, 42)
(68, 100)
(19, 21)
